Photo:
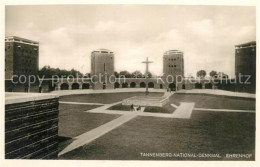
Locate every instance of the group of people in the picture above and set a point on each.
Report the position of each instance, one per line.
(133, 109)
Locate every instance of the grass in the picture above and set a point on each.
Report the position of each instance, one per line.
(105, 98)
(214, 102)
(73, 121)
(206, 132)
(120, 107)
(165, 109)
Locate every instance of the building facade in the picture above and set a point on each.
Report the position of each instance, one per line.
(102, 68)
(245, 65)
(21, 57)
(173, 68)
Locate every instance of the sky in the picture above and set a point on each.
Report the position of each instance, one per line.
(68, 33)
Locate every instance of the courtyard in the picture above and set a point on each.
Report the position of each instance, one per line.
(217, 125)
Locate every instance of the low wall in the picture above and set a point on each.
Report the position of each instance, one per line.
(31, 126)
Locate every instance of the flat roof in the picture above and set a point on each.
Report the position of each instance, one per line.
(15, 97)
(246, 44)
(19, 39)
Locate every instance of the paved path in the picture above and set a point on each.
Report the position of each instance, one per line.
(222, 110)
(183, 111)
(218, 92)
(89, 136)
(91, 91)
(70, 102)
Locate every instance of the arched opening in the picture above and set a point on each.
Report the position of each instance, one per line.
(116, 85)
(104, 85)
(208, 86)
(124, 85)
(85, 86)
(40, 89)
(198, 85)
(161, 86)
(64, 86)
(150, 85)
(26, 88)
(183, 86)
(75, 86)
(52, 86)
(10, 90)
(142, 85)
(172, 86)
(132, 85)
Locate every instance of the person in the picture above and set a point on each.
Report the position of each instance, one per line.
(132, 108)
(139, 107)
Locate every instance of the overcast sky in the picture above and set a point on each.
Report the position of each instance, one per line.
(68, 33)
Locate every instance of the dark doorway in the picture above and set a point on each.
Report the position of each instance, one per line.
(183, 86)
(40, 89)
(132, 85)
(198, 86)
(150, 85)
(116, 85)
(104, 85)
(172, 86)
(64, 86)
(85, 86)
(75, 86)
(142, 85)
(124, 85)
(208, 86)
(161, 86)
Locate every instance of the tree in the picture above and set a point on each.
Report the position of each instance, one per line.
(125, 74)
(136, 74)
(222, 75)
(49, 72)
(148, 75)
(213, 73)
(116, 74)
(201, 73)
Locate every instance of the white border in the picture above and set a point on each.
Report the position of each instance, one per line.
(63, 163)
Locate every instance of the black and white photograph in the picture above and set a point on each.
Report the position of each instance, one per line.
(129, 82)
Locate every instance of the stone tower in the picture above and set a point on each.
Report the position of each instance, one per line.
(102, 67)
(173, 66)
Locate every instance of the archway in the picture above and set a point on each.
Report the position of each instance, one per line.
(116, 85)
(104, 85)
(75, 86)
(172, 86)
(132, 85)
(198, 85)
(52, 86)
(161, 86)
(124, 85)
(142, 85)
(208, 86)
(64, 86)
(150, 85)
(85, 86)
(183, 86)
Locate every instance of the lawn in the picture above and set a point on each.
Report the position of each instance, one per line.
(214, 102)
(120, 107)
(73, 121)
(105, 98)
(206, 132)
(165, 109)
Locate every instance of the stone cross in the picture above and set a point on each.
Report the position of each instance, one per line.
(146, 74)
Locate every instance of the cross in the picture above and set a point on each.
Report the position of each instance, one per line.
(146, 72)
